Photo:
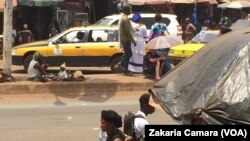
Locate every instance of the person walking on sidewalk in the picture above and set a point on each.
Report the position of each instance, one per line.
(110, 123)
(145, 109)
(25, 35)
(159, 28)
(126, 37)
(140, 35)
(189, 30)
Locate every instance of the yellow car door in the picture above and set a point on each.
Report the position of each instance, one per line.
(101, 46)
(66, 49)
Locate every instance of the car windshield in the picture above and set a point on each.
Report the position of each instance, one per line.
(205, 36)
(103, 21)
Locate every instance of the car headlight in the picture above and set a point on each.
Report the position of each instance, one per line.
(13, 51)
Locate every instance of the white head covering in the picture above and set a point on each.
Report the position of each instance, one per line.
(25, 26)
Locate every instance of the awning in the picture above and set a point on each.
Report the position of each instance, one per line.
(194, 1)
(235, 5)
(14, 3)
(38, 2)
(209, 1)
(142, 2)
(183, 1)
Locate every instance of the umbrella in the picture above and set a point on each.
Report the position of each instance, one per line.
(235, 5)
(241, 23)
(142, 2)
(162, 42)
(212, 85)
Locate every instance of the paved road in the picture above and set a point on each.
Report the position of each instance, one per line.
(49, 118)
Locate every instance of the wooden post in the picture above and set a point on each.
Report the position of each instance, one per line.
(7, 37)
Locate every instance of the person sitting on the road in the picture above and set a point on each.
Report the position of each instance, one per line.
(153, 64)
(63, 73)
(37, 71)
(37, 68)
(166, 66)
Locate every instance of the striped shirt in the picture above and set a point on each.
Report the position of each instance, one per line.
(125, 29)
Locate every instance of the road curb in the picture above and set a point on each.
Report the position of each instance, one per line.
(72, 88)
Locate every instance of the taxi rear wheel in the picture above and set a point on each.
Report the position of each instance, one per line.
(114, 64)
(26, 61)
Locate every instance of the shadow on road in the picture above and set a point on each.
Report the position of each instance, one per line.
(101, 89)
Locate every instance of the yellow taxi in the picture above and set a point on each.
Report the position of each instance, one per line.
(178, 53)
(98, 46)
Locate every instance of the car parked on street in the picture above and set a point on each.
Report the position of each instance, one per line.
(178, 53)
(98, 47)
(148, 19)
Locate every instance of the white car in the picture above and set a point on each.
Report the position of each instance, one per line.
(174, 27)
(1, 40)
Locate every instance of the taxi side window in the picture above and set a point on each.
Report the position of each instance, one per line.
(72, 37)
(98, 36)
(113, 36)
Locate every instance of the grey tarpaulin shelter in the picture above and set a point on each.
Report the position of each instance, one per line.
(241, 23)
(213, 85)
